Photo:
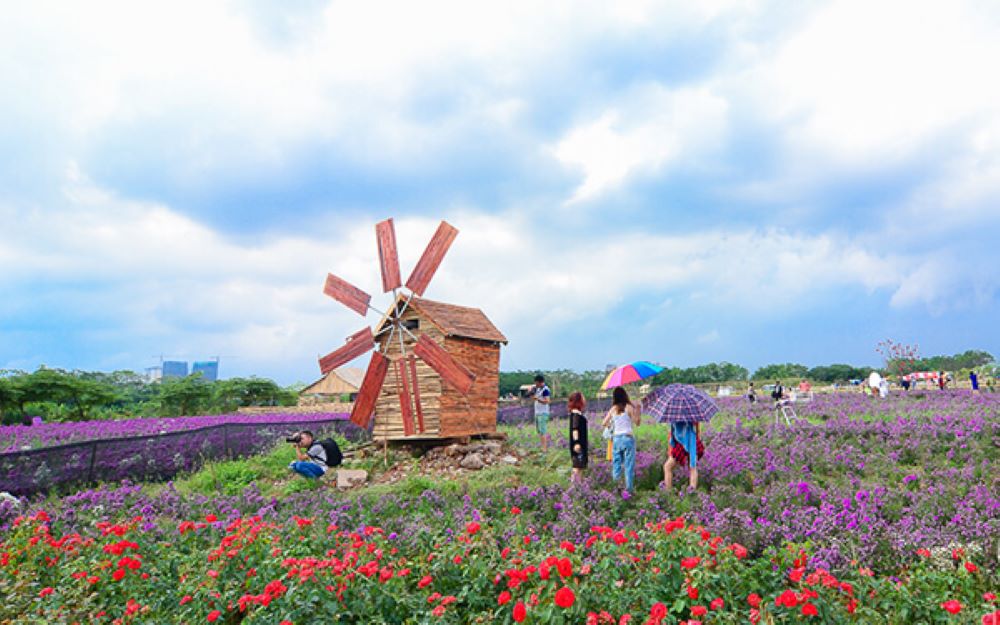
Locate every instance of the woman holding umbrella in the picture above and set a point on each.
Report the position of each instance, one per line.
(685, 448)
(684, 407)
(622, 415)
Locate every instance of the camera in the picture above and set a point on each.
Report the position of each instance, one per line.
(295, 439)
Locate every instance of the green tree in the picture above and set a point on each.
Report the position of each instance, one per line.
(184, 396)
(837, 373)
(239, 392)
(782, 371)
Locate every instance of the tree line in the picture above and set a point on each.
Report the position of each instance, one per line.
(563, 381)
(59, 395)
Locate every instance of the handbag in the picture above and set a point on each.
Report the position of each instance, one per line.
(608, 433)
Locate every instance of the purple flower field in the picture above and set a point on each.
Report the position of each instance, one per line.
(24, 437)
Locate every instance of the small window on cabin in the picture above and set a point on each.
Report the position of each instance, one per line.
(411, 324)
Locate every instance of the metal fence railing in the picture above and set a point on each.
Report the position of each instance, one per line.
(150, 457)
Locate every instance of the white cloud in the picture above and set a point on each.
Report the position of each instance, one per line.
(863, 82)
(650, 129)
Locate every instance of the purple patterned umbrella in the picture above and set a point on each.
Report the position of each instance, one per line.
(676, 403)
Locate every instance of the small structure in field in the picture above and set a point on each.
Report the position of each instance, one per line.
(332, 387)
(438, 409)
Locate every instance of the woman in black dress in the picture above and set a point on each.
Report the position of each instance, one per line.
(579, 446)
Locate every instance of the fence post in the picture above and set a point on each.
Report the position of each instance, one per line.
(93, 458)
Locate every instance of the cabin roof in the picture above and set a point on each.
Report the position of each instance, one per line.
(337, 382)
(453, 320)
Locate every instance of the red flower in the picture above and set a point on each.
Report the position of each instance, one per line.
(45, 592)
(796, 574)
(809, 609)
(118, 575)
(214, 616)
(717, 603)
(565, 567)
(425, 581)
(472, 528)
(515, 510)
(503, 598)
(992, 619)
(568, 546)
(658, 611)
(787, 599)
(565, 597)
(970, 567)
(692, 592)
(699, 610)
(989, 596)
(690, 563)
(211, 518)
(924, 553)
(754, 600)
(520, 612)
(739, 551)
(186, 599)
(952, 606)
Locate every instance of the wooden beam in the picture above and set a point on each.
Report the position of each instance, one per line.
(431, 258)
(403, 386)
(364, 405)
(385, 234)
(416, 393)
(357, 344)
(441, 361)
(347, 294)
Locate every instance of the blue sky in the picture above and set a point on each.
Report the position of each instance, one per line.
(674, 181)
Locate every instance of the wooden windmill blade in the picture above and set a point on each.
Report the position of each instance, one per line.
(431, 258)
(357, 344)
(441, 361)
(388, 256)
(347, 294)
(364, 405)
(405, 405)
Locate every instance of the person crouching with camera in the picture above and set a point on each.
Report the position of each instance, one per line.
(312, 460)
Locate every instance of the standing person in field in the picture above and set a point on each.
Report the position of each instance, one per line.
(974, 380)
(777, 393)
(751, 394)
(874, 382)
(685, 448)
(542, 399)
(579, 443)
(621, 417)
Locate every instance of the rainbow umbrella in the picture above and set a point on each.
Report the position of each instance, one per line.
(632, 372)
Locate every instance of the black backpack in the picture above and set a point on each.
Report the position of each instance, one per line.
(333, 455)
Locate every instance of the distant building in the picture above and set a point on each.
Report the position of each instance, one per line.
(209, 370)
(333, 386)
(154, 374)
(175, 369)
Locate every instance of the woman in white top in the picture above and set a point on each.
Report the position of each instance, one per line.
(621, 417)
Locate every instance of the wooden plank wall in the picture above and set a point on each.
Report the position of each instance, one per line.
(388, 417)
(475, 413)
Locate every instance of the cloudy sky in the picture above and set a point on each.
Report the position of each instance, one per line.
(675, 181)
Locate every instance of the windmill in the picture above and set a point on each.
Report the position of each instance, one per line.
(441, 360)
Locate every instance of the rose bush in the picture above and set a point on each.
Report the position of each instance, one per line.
(303, 570)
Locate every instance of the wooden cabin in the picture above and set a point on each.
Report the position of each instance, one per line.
(332, 387)
(437, 409)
